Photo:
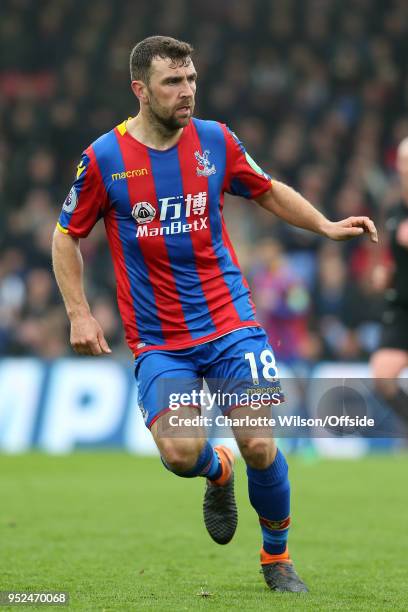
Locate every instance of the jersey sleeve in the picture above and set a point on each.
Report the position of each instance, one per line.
(86, 201)
(243, 175)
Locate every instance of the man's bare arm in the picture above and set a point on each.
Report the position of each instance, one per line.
(290, 206)
(87, 337)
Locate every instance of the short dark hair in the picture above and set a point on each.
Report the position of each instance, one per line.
(143, 53)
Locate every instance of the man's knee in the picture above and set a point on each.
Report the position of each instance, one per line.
(181, 455)
(258, 453)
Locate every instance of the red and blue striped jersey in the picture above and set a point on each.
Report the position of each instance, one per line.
(179, 283)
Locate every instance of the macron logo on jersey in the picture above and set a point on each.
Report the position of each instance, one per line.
(170, 210)
(119, 176)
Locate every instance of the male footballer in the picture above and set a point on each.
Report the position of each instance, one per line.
(158, 181)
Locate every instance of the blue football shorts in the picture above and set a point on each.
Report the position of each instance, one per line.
(238, 368)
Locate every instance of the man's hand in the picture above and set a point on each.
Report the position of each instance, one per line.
(293, 208)
(87, 337)
(350, 228)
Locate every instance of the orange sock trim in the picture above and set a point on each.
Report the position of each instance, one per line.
(267, 558)
(226, 458)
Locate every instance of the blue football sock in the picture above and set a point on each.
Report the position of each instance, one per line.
(208, 464)
(269, 494)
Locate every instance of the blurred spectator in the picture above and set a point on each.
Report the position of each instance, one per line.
(283, 303)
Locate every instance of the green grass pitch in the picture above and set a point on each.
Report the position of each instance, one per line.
(120, 533)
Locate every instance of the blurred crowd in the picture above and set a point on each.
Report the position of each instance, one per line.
(317, 91)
